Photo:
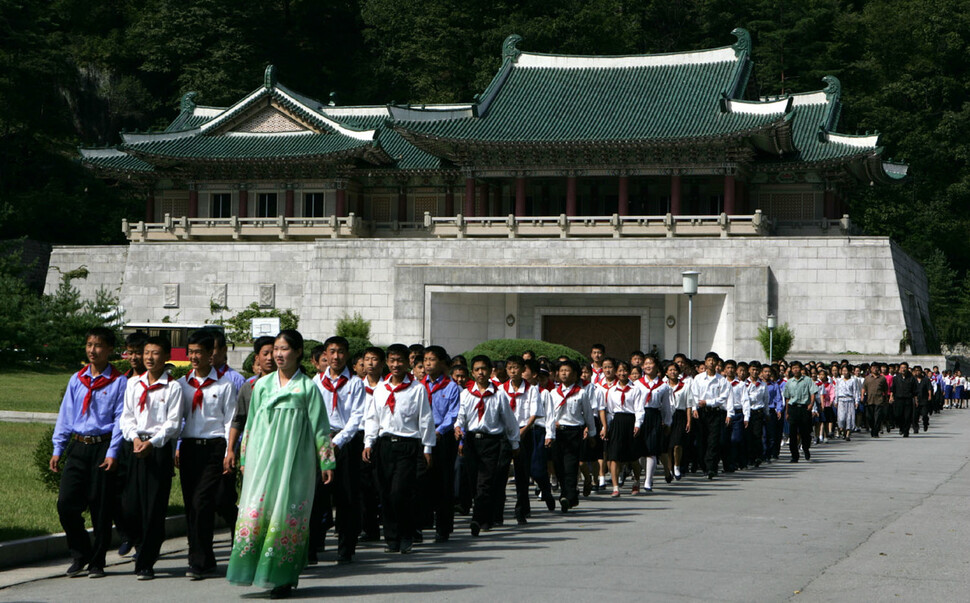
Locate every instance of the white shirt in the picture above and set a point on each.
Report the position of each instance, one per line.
(411, 418)
(218, 407)
(624, 399)
(656, 394)
(754, 397)
(846, 389)
(162, 417)
(736, 401)
(528, 402)
(348, 416)
(497, 418)
(543, 402)
(713, 390)
(568, 407)
(681, 397)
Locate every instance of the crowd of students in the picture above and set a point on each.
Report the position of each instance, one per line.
(407, 438)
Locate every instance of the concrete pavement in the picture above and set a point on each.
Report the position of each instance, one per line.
(870, 519)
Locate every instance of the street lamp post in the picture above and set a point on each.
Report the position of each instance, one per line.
(690, 290)
(772, 322)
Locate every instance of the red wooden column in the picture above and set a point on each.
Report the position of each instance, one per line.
(570, 195)
(340, 206)
(675, 194)
(288, 206)
(520, 196)
(742, 197)
(193, 202)
(729, 207)
(402, 203)
(150, 207)
(495, 200)
(483, 196)
(829, 208)
(623, 196)
(449, 201)
(469, 198)
(243, 203)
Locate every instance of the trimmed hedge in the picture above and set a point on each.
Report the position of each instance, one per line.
(500, 349)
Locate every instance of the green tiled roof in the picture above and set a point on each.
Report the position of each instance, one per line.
(112, 160)
(249, 147)
(405, 155)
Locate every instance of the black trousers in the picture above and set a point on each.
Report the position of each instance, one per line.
(370, 501)
(397, 476)
(343, 495)
(876, 414)
(539, 456)
(204, 493)
(799, 429)
(566, 450)
(523, 474)
(711, 422)
(484, 456)
(755, 435)
(441, 484)
(773, 434)
(921, 411)
(146, 489)
(86, 487)
(903, 413)
(118, 500)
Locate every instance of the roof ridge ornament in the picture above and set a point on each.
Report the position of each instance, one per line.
(833, 87)
(510, 47)
(269, 77)
(743, 45)
(187, 104)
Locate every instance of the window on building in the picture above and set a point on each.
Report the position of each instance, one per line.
(313, 205)
(221, 205)
(266, 206)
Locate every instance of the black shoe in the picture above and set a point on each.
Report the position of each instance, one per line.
(587, 487)
(344, 559)
(808, 455)
(711, 475)
(564, 503)
(418, 537)
(95, 572)
(125, 548)
(476, 529)
(193, 573)
(551, 503)
(669, 477)
(757, 463)
(486, 527)
(521, 521)
(407, 547)
(439, 537)
(281, 592)
(312, 558)
(145, 574)
(793, 460)
(498, 522)
(392, 548)
(76, 569)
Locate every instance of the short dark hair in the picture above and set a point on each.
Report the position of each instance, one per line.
(161, 342)
(598, 346)
(136, 340)
(398, 349)
(460, 359)
(711, 355)
(621, 363)
(481, 358)
(202, 337)
(377, 352)
(262, 342)
(416, 347)
(317, 351)
(731, 362)
(336, 340)
(571, 364)
(517, 360)
(795, 363)
(438, 352)
(106, 335)
(532, 364)
(218, 336)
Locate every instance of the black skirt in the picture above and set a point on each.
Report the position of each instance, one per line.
(678, 429)
(620, 443)
(593, 447)
(652, 432)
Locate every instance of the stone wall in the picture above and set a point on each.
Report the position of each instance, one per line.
(838, 294)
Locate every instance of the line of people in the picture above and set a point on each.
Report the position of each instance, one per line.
(407, 438)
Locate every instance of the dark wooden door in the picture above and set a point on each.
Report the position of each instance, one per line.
(620, 334)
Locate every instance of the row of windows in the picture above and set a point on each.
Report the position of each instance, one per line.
(267, 205)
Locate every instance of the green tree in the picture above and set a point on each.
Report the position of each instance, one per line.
(239, 327)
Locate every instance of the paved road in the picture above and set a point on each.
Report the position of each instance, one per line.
(870, 519)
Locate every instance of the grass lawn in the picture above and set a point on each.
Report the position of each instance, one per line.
(29, 508)
(29, 390)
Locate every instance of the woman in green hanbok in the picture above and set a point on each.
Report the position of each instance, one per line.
(287, 433)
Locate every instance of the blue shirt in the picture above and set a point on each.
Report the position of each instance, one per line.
(232, 375)
(102, 417)
(444, 405)
(776, 401)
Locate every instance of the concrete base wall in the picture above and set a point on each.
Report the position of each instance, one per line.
(838, 294)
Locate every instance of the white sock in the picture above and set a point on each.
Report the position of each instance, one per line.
(651, 465)
(602, 480)
(676, 470)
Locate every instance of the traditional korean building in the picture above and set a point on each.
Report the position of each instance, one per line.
(563, 203)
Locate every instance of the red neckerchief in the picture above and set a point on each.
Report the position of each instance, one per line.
(93, 385)
(513, 395)
(330, 387)
(198, 396)
(650, 388)
(222, 371)
(572, 392)
(623, 391)
(680, 386)
(401, 386)
(433, 389)
(480, 407)
(143, 400)
(734, 383)
(252, 379)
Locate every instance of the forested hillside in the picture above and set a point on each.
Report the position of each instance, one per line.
(78, 71)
